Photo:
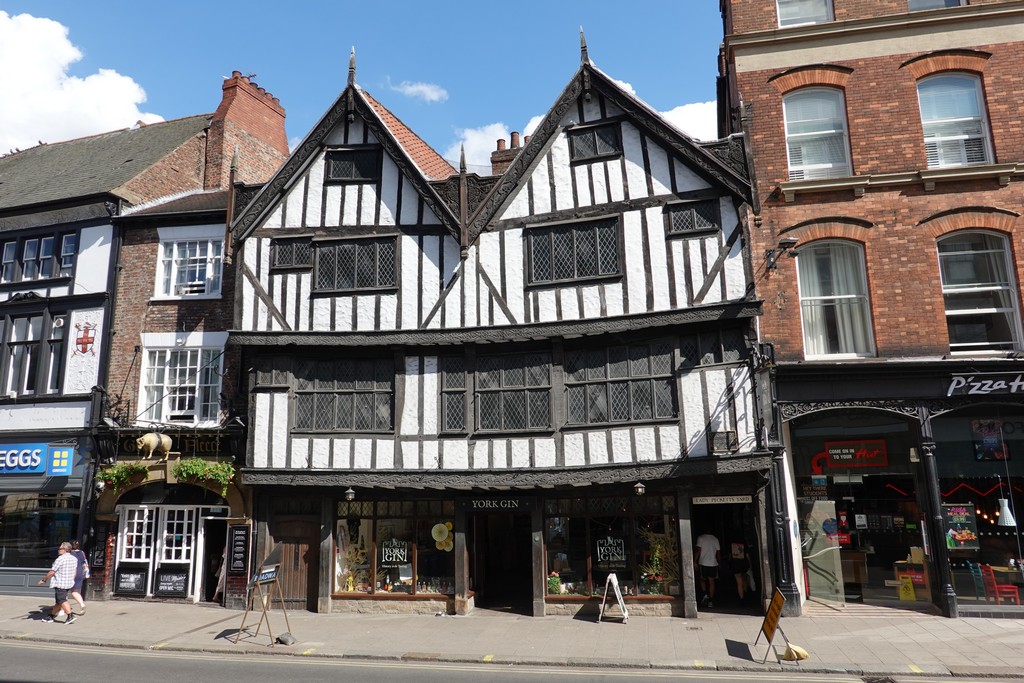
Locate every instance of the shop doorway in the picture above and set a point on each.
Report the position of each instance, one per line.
(501, 568)
(214, 544)
(735, 526)
(298, 541)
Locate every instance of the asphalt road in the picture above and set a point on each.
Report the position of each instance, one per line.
(22, 662)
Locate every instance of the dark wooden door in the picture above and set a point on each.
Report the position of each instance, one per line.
(299, 542)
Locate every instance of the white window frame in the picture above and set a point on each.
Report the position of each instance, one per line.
(1006, 288)
(190, 269)
(931, 4)
(159, 380)
(836, 128)
(811, 303)
(954, 133)
(821, 12)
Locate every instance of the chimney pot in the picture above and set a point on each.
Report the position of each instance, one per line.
(501, 144)
(515, 140)
(236, 74)
(526, 140)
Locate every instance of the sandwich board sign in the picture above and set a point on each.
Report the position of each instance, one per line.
(613, 582)
(771, 624)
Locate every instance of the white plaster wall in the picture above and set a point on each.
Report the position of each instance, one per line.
(44, 416)
(93, 261)
(81, 372)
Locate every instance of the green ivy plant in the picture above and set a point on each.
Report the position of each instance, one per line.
(197, 469)
(120, 475)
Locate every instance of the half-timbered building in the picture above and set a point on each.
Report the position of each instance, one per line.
(470, 391)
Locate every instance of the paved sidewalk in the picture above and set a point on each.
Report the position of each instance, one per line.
(895, 644)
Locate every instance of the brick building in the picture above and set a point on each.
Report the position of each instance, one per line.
(172, 373)
(150, 291)
(886, 138)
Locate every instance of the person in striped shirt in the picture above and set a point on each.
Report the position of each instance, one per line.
(61, 577)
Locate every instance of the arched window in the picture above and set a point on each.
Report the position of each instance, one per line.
(954, 121)
(816, 139)
(979, 292)
(834, 301)
(795, 12)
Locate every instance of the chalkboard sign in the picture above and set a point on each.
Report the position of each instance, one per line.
(961, 526)
(266, 574)
(238, 549)
(171, 582)
(130, 581)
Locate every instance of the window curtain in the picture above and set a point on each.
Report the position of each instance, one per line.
(793, 12)
(833, 300)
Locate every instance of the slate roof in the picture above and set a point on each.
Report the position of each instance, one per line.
(199, 201)
(89, 166)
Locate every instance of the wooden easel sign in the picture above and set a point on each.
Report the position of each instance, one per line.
(613, 582)
(266, 576)
(771, 624)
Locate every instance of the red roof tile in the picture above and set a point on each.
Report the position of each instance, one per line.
(423, 155)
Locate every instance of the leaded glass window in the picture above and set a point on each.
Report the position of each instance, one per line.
(620, 384)
(357, 264)
(513, 392)
(292, 253)
(696, 217)
(351, 395)
(572, 252)
(597, 141)
(353, 165)
(453, 393)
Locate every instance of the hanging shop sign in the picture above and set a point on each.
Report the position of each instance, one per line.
(983, 384)
(36, 458)
(861, 453)
(961, 527)
(188, 445)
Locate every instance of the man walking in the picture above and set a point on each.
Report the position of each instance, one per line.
(61, 577)
(707, 556)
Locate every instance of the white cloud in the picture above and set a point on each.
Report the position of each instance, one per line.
(698, 120)
(479, 143)
(428, 92)
(42, 102)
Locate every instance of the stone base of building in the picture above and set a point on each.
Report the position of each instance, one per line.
(372, 606)
(592, 607)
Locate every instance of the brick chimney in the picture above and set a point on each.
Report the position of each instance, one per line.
(250, 120)
(501, 158)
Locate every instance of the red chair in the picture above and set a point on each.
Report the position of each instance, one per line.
(998, 590)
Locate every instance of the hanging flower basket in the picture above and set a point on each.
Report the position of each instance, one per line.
(122, 474)
(199, 471)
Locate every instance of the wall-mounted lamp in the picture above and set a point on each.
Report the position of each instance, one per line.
(771, 256)
(639, 488)
(350, 495)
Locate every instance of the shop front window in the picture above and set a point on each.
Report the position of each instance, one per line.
(32, 525)
(633, 538)
(978, 454)
(395, 547)
(861, 530)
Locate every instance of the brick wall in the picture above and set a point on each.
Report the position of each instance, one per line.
(896, 222)
(762, 15)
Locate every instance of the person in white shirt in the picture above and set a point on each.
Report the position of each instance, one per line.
(62, 578)
(706, 557)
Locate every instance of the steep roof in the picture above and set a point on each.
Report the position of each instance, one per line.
(414, 157)
(89, 166)
(196, 201)
(710, 161)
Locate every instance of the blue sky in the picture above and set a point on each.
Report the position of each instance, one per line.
(456, 72)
